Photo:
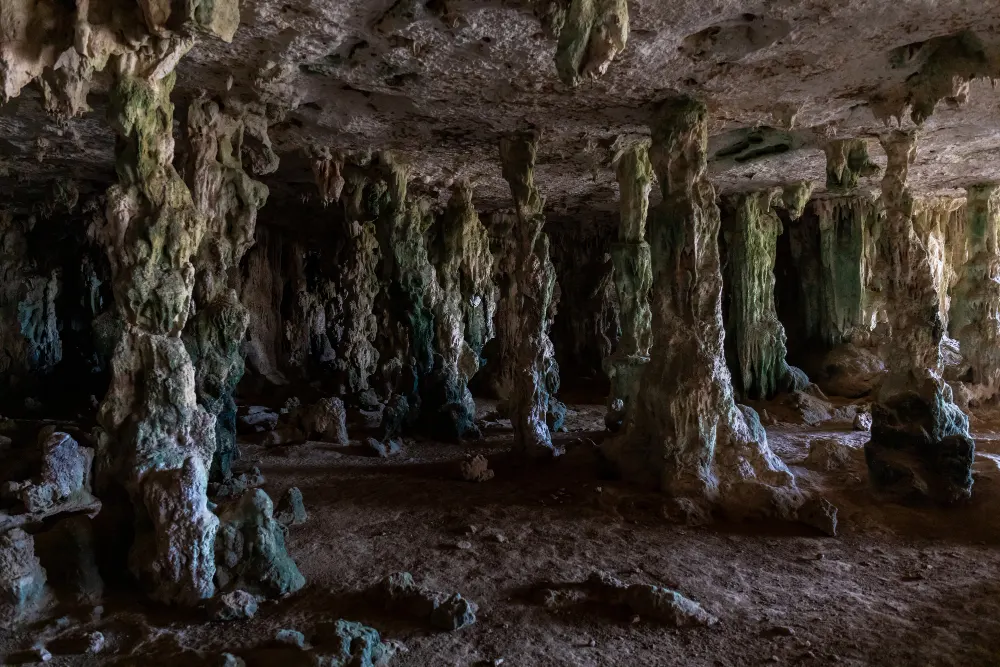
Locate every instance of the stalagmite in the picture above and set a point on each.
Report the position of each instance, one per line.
(591, 35)
(755, 338)
(920, 440)
(526, 311)
(229, 200)
(975, 302)
(156, 437)
(686, 435)
(633, 279)
(463, 311)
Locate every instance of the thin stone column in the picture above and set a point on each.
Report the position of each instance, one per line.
(533, 281)
(920, 440)
(975, 302)
(633, 279)
(686, 435)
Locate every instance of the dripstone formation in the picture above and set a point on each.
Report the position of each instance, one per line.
(920, 439)
(686, 436)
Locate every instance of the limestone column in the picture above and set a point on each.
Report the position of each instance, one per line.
(526, 312)
(755, 338)
(920, 440)
(228, 199)
(686, 435)
(156, 437)
(975, 302)
(464, 275)
(633, 279)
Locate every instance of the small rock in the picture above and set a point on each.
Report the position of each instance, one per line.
(399, 593)
(40, 654)
(819, 513)
(230, 660)
(290, 510)
(863, 421)
(368, 400)
(257, 419)
(454, 613)
(383, 449)
(475, 469)
(464, 545)
(499, 538)
(828, 454)
(5, 442)
(780, 631)
(291, 638)
(283, 436)
(235, 606)
(95, 642)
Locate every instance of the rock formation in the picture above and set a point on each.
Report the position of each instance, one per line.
(755, 338)
(846, 163)
(228, 199)
(975, 301)
(524, 311)
(592, 33)
(686, 436)
(633, 279)
(920, 439)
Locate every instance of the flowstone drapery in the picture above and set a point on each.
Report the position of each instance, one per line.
(633, 279)
(755, 338)
(525, 313)
(686, 435)
(920, 440)
(975, 302)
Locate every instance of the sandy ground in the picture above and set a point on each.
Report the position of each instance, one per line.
(898, 586)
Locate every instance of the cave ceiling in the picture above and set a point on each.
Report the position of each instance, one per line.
(439, 82)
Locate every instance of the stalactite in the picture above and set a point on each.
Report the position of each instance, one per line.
(755, 338)
(686, 435)
(940, 224)
(591, 34)
(846, 163)
(920, 439)
(465, 302)
(633, 279)
(526, 312)
(975, 302)
(229, 200)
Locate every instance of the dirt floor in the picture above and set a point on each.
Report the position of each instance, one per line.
(897, 586)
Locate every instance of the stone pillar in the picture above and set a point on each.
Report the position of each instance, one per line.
(920, 440)
(686, 436)
(155, 436)
(526, 312)
(755, 338)
(975, 302)
(358, 288)
(633, 279)
(228, 199)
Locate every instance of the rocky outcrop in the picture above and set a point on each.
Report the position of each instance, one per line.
(228, 199)
(633, 279)
(755, 338)
(975, 303)
(686, 436)
(22, 578)
(920, 440)
(525, 311)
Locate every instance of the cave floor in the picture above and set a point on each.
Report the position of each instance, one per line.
(898, 586)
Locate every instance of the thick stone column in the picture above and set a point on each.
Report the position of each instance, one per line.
(228, 199)
(686, 435)
(920, 440)
(633, 279)
(467, 295)
(526, 312)
(156, 437)
(975, 301)
(755, 338)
